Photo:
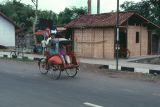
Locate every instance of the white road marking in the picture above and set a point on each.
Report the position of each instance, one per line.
(91, 105)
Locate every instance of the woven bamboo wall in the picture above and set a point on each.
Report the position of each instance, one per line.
(109, 41)
(86, 42)
(78, 39)
(95, 42)
(84, 45)
(98, 43)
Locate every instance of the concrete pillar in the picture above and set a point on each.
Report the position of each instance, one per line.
(98, 6)
(89, 6)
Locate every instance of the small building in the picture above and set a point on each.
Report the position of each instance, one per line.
(96, 35)
(7, 31)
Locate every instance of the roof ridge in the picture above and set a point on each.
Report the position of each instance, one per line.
(109, 13)
(7, 18)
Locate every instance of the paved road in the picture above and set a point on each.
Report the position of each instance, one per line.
(21, 85)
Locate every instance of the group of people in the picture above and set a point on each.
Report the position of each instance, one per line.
(50, 46)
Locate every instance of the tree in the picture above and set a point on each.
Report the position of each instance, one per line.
(50, 15)
(65, 16)
(156, 10)
(129, 6)
(23, 14)
(69, 14)
(18, 12)
(78, 12)
(142, 8)
(150, 9)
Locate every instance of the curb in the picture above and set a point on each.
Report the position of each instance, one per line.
(131, 69)
(15, 57)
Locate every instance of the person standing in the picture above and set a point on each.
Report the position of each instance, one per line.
(44, 44)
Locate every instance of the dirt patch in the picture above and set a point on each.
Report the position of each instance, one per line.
(155, 60)
(102, 70)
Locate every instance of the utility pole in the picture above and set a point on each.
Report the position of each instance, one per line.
(98, 6)
(89, 6)
(117, 36)
(35, 2)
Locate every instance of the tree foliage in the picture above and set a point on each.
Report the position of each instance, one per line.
(50, 15)
(24, 14)
(150, 9)
(18, 12)
(69, 14)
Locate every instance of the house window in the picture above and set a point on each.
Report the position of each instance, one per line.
(137, 37)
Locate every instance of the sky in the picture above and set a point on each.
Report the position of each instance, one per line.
(59, 5)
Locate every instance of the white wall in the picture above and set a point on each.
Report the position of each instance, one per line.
(7, 33)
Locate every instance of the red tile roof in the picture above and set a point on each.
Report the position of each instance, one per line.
(103, 20)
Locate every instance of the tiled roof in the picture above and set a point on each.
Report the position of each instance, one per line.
(102, 20)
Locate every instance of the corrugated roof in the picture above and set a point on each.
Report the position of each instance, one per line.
(103, 20)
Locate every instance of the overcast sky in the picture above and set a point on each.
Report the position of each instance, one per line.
(59, 5)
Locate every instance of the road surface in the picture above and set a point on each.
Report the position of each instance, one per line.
(21, 85)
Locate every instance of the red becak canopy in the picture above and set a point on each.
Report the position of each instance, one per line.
(38, 33)
(45, 32)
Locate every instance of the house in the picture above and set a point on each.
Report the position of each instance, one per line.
(95, 35)
(7, 31)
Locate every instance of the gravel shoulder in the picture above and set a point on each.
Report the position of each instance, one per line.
(101, 70)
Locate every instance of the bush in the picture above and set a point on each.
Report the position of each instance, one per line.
(14, 56)
(25, 58)
(5, 56)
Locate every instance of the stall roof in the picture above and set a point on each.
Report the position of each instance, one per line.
(105, 20)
